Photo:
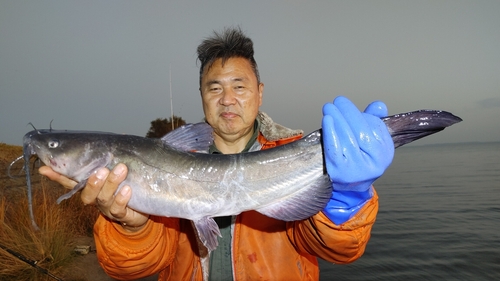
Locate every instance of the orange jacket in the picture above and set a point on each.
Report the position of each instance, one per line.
(263, 248)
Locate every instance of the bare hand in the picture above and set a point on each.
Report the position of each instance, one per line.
(64, 181)
(100, 190)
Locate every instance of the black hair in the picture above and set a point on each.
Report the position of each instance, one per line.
(230, 43)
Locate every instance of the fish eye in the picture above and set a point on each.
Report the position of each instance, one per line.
(53, 143)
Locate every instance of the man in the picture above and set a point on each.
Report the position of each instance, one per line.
(357, 150)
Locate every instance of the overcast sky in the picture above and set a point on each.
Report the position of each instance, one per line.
(104, 65)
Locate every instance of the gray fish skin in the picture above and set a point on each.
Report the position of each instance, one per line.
(288, 182)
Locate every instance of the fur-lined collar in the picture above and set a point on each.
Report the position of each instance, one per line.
(273, 131)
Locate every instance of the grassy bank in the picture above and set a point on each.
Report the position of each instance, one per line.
(52, 246)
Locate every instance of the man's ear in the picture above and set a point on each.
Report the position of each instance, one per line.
(261, 92)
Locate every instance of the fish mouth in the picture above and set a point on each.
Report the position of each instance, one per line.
(28, 149)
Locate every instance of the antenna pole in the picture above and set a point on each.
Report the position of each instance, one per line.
(171, 100)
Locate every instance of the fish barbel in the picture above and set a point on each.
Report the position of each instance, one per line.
(167, 178)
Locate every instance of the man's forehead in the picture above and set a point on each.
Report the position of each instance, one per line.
(237, 69)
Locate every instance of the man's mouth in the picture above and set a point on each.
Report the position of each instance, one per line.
(228, 115)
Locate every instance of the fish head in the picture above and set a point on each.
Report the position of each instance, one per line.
(71, 153)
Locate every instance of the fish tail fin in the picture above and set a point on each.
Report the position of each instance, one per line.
(407, 127)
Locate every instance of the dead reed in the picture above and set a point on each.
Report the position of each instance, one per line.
(52, 246)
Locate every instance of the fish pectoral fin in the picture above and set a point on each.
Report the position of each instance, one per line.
(75, 189)
(303, 204)
(208, 230)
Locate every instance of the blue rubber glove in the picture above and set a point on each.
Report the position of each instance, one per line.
(358, 149)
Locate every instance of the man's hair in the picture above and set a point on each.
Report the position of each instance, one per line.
(230, 43)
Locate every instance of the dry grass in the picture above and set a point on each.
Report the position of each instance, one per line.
(51, 247)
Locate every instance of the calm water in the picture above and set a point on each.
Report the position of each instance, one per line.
(439, 217)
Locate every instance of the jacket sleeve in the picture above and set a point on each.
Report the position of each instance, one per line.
(129, 256)
(340, 244)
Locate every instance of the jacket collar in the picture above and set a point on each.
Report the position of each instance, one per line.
(273, 131)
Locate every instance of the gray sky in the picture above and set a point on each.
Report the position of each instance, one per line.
(104, 65)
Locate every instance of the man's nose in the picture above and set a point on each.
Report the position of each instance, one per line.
(228, 97)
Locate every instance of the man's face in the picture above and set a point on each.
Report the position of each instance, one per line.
(231, 97)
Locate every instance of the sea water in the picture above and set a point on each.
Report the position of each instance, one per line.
(439, 217)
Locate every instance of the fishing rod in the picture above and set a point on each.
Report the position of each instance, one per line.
(30, 262)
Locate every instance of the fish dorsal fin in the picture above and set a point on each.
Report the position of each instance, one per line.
(207, 230)
(303, 204)
(190, 137)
